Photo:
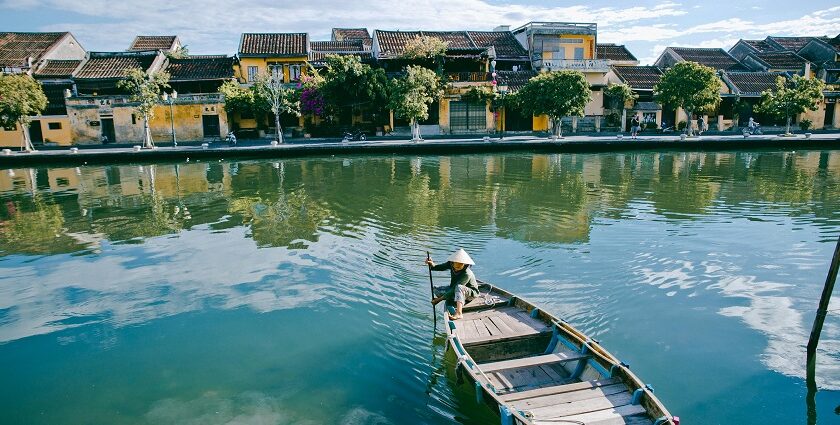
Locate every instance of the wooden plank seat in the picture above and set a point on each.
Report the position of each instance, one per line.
(497, 324)
(532, 361)
(479, 302)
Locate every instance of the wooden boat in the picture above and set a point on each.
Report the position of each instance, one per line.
(537, 369)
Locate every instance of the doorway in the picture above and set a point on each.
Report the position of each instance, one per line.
(35, 133)
(108, 133)
(210, 126)
(829, 115)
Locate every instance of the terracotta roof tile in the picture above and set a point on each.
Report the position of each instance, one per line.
(760, 45)
(392, 43)
(639, 77)
(106, 65)
(503, 42)
(195, 68)
(152, 42)
(16, 47)
(58, 68)
(337, 46)
(346, 34)
(712, 57)
(614, 52)
(781, 60)
(751, 83)
(794, 43)
(454, 39)
(515, 80)
(274, 44)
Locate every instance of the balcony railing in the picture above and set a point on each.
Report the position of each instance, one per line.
(584, 65)
(468, 77)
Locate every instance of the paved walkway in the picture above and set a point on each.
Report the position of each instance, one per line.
(308, 147)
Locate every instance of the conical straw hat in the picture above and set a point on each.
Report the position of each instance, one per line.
(461, 256)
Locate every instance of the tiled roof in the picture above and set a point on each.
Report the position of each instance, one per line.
(337, 46)
(454, 39)
(344, 34)
(196, 68)
(152, 42)
(751, 83)
(793, 43)
(15, 47)
(781, 60)
(318, 59)
(711, 57)
(614, 52)
(503, 42)
(103, 65)
(760, 45)
(639, 77)
(58, 68)
(515, 80)
(275, 44)
(392, 43)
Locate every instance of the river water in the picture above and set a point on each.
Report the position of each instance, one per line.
(294, 291)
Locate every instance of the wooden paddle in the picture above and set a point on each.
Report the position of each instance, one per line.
(432, 288)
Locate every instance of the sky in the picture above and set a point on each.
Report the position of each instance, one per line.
(214, 26)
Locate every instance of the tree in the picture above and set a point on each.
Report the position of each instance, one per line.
(238, 99)
(690, 86)
(270, 90)
(426, 49)
(556, 94)
(618, 96)
(182, 52)
(792, 97)
(412, 94)
(348, 83)
(20, 97)
(145, 90)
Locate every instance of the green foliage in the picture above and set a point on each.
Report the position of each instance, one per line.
(20, 97)
(238, 99)
(145, 89)
(690, 86)
(425, 48)
(412, 93)
(791, 98)
(478, 95)
(182, 52)
(556, 94)
(805, 124)
(348, 83)
(618, 95)
(681, 126)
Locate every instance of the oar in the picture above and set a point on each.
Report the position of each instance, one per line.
(432, 288)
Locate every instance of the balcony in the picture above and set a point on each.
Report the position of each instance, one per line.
(582, 65)
(468, 77)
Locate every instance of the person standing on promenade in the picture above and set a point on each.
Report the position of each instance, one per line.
(701, 125)
(635, 126)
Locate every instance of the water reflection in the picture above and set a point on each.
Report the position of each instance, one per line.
(738, 235)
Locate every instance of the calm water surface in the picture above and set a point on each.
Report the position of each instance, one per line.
(294, 292)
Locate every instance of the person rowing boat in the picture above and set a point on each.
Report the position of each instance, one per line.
(463, 286)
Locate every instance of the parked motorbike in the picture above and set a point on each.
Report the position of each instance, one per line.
(231, 139)
(355, 135)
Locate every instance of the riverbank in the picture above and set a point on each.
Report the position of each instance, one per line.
(437, 145)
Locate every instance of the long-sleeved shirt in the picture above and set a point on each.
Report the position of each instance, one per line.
(465, 277)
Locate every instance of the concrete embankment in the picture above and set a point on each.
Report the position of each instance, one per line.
(578, 144)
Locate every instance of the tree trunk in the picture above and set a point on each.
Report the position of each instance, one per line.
(415, 130)
(623, 120)
(147, 133)
(689, 131)
(27, 143)
(277, 127)
(787, 128)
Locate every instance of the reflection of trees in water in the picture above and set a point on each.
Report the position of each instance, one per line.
(543, 198)
(289, 221)
(35, 227)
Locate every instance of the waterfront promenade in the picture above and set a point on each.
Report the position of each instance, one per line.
(436, 145)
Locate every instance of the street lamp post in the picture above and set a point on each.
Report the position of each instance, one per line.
(170, 99)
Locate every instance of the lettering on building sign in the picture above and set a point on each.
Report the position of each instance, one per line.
(586, 64)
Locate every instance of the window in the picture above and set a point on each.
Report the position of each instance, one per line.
(253, 71)
(294, 72)
(579, 53)
(133, 119)
(571, 40)
(54, 126)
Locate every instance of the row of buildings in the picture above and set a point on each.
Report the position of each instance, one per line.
(85, 106)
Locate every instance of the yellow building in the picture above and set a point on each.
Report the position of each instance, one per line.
(50, 58)
(277, 54)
